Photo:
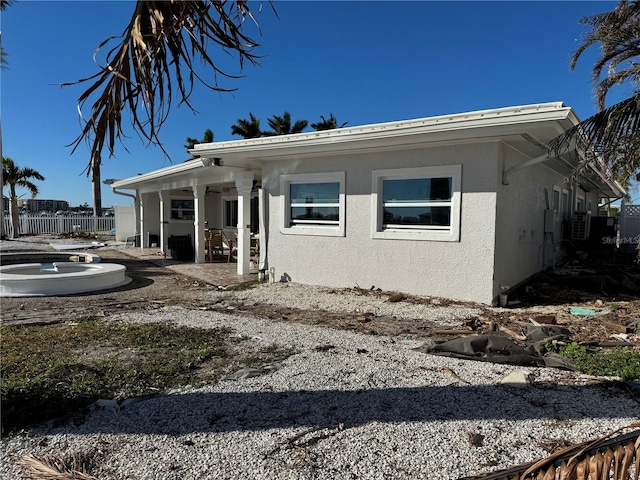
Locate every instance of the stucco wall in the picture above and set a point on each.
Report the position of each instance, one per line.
(521, 247)
(151, 203)
(459, 270)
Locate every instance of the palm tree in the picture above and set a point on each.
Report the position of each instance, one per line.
(282, 125)
(247, 128)
(612, 134)
(206, 138)
(15, 176)
(156, 55)
(330, 123)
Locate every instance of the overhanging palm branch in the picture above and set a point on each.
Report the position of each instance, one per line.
(610, 139)
(615, 458)
(157, 53)
(617, 33)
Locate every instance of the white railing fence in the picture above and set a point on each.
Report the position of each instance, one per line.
(34, 225)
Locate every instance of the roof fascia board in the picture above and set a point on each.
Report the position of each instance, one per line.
(161, 173)
(496, 122)
(213, 176)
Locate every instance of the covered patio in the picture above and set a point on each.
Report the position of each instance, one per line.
(182, 203)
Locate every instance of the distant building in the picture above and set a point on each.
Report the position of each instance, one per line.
(35, 205)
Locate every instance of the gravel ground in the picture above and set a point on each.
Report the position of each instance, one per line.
(345, 406)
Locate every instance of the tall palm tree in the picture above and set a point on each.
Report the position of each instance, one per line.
(330, 123)
(282, 125)
(612, 134)
(155, 56)
(247, 128)
(16, 177)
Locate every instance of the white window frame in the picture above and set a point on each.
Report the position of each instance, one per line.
(223, 210)
(557, 208)
(579, 198)
(451, 234)
(172, 209)
(337, 230)
(223, 215)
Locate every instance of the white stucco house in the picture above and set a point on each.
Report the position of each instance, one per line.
(459, 206)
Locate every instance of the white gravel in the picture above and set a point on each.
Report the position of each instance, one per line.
(369, 407)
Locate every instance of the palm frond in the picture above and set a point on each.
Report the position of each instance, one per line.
(610, 138)
(618, 35)
(608, 457)
(73, 466)
(156, 56)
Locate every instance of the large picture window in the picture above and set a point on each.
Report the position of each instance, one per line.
(417, 203)
(313, 204)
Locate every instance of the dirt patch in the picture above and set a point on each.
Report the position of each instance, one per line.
(548, 298)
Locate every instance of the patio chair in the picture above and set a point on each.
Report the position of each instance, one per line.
(215, 245)
(227, 244)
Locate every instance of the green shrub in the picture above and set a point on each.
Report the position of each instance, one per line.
(623, 362)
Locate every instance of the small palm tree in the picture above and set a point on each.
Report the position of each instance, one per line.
(247, 128)
(330, 123)
(15, 176)
(282, 125)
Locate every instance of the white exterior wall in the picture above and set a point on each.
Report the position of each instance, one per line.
(151, 203)
(521, 248)
(459, 270)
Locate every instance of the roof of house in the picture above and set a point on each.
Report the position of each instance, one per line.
(526, 128)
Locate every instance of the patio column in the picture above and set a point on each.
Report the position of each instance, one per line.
(243, 186)
(165, 214)
(142, 224)
(198, 222)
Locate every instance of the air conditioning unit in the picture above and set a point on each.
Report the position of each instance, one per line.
(580, 225)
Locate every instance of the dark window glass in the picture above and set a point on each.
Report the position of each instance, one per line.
(432, 216)
(315, 192)
(414, 190)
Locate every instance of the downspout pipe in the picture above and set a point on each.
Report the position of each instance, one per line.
(114, 190)
(109, 181)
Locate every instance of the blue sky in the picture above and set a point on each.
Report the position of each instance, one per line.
(363, 61)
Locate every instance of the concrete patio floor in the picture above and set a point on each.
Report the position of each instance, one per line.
(214, 273)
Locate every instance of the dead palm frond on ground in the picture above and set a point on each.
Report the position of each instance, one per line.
(72, 466)
(615, 456)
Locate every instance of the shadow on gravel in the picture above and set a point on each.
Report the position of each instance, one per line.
(226, 412)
